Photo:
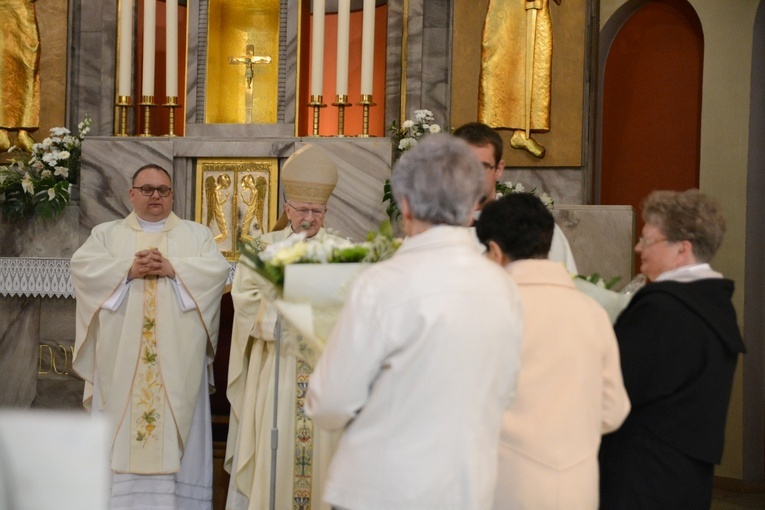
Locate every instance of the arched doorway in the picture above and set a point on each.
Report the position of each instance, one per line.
(650, 129)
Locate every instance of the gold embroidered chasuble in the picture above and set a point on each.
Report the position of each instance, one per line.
(304, 451)
(147, 356)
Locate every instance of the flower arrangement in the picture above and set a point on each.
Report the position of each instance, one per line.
(506, 187)
(39, 183)
(407, 136)
(270, 261)
(404, 138)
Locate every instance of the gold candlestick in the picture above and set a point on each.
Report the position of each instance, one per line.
(342, 103)
(123, 103)
(366, 102)
(316, 103)
(172, 103)
(147, 102)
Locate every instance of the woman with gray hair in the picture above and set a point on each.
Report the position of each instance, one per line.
(679, 344)
(425, 354)
(440, 183)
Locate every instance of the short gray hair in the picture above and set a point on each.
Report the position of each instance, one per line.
(441, 178)
(687, 216)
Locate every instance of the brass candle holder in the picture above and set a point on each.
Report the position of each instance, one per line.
(123, 103)
(365, 103)
(342, 103)
(317, 104)
(147, 102)
(172, 103)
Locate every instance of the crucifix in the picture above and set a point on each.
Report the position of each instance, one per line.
(249, 60)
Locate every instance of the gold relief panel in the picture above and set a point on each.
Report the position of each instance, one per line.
(237, 199)
(242, 62)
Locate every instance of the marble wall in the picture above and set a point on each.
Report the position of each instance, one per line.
(425, 62)
(108, 165)
(36, 341)
(601, 239)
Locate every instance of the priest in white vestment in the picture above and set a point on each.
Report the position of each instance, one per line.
(570, 388)
(308, 179)
(148, 290)
(424, 357)
(487, 146)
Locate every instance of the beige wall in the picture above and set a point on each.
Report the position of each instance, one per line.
(728, 28)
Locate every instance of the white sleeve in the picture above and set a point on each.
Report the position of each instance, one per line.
(116, 299)
(560, 251)
(342, 379)
(185, 300)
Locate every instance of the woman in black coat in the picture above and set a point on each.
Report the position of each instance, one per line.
(679, 344)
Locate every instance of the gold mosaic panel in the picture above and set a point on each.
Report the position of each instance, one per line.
(237, 199)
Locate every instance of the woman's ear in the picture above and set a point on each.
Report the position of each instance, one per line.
(496, 254)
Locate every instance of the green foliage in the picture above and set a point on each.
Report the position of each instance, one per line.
(394, 213)
(596, 279)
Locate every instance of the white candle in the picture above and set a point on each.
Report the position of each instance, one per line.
(317, 48)
(367, 47)
(126, 48)
(149, 35)
(171, 47)
(343, 43)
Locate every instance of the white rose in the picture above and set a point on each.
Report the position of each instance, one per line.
(435, 128)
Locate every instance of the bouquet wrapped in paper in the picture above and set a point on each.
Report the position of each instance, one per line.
(308, 280)
(600, 289)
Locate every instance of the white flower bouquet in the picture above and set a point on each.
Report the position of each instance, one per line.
(271, 261)
(408, 134)
(309, 280)
(39, 183)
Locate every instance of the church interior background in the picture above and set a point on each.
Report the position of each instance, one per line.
(647, 94)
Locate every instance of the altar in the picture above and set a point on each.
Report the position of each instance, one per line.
(218, 154)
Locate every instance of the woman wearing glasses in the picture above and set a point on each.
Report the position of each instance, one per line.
(679, 344)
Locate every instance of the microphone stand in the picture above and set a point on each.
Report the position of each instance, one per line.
(274, 426)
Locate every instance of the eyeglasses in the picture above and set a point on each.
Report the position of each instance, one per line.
(148, 191)
(643, 242)
(305, 211)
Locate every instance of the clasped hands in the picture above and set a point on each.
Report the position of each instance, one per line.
(150, 263)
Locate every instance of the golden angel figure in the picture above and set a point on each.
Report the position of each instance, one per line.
(215, 200)
(254, 201)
